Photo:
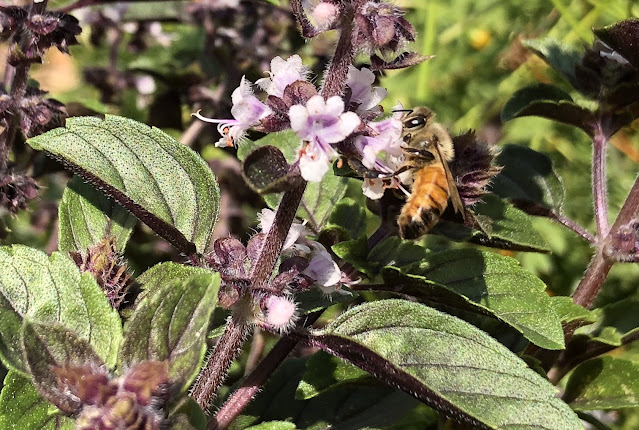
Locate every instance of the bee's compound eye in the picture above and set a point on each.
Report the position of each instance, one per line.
(416, 122)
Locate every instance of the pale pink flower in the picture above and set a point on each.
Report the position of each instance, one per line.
(266, 218)
(363, 94)
(320, 124)
(247, 110)
(282, 74)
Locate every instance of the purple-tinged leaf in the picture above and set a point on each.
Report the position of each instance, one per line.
(159, 180)
(319, 197)
(446, 363)
(623, 37)
(170, 322)
(266, 171)
(51, 289)
(548, 101)
(50, 347)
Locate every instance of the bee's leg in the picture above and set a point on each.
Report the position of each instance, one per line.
(423, 154)
(401, 169)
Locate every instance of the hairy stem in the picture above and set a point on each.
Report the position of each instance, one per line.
(599, 185)
(600, 264)
(592, 280)
(572, 225)
(308, 30)
(251, 385)
(272, 245)
(213, 374)
(335, 77)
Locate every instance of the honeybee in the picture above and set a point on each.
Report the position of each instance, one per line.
(428, 150)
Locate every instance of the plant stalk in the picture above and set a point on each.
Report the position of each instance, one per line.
(599, 185)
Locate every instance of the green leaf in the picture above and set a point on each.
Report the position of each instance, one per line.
(561, 57)
(352, 407)
(603, 383)
(528, 175)
(613, 322)
(162, 273)
(87, 216)
(266, 171)
(189, 413)
(506, 227)
(447, 363)
(22, 407)
(46, 347)
(396, 252)
(314, 299)
(52, 290)
(392, 251)
(170, 323)
(489, 282)
(162, 182)
(547, 101)
(569, 312)
(319, 198)
(622, 37)
(356, 253)
(325, 372)
(349, 215)
(273, 425)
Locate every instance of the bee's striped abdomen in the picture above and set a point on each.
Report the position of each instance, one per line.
(428, 200)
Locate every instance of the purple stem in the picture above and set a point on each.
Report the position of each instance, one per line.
(253, 382)
(229, 345)
(308, 29)
(572, 225)
(335, 76)
(600, 264)
(212, 376)
(599, 185)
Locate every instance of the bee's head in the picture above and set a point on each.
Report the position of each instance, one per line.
(417, 118)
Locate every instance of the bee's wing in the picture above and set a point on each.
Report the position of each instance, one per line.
(452, 187)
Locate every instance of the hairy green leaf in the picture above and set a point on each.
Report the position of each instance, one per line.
(489, 281)
(22, 407)
(319, 198)
(528, 175)
(273, 425)
(446, 363)
(561, 57)
(170, 322)
(569, 312)
(506, 227)
(352, 407)
(603, 383)
(547, 101)
(349, 215)
(613, 322)
(325, 372)
(46, 347)
(87, 216)
(52, 290)
(162, 182)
